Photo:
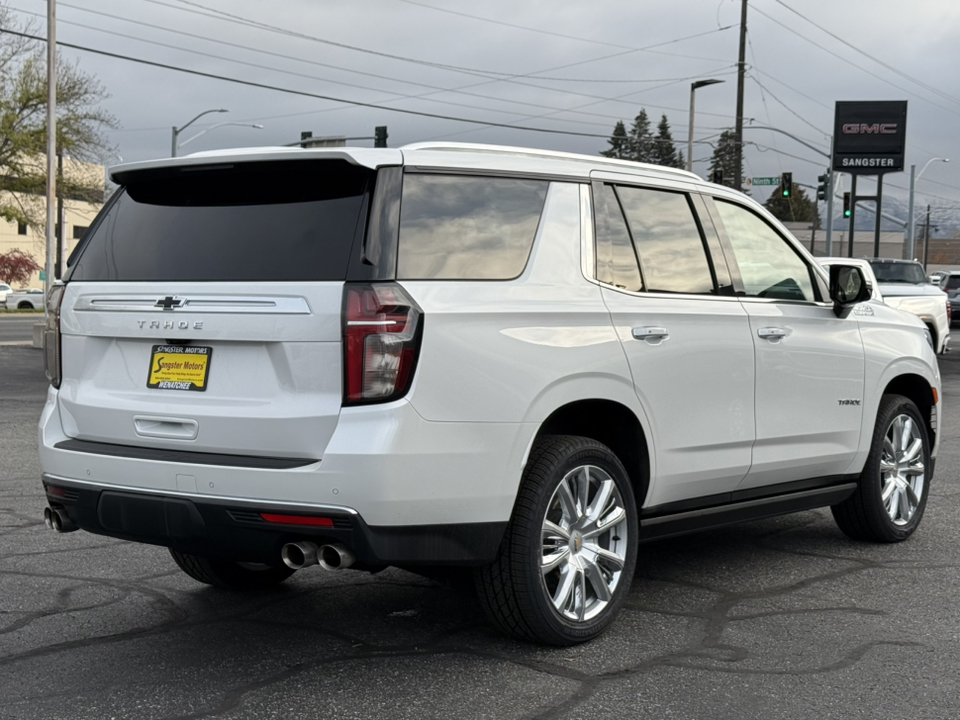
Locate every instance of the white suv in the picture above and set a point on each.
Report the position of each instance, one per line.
(456, 356)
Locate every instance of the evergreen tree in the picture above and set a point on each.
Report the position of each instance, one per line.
(664, 151)
(619, 143)
(797, 208)
(641, 142)
(725, 158)
(681, 160)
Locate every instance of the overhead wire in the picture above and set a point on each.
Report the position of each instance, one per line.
(891, 68)
(490, 76)
(302, 93)
(398, 96)
(541, 31)
(850, 62)
(206, 11)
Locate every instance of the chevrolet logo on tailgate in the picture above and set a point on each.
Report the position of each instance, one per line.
(169, 303)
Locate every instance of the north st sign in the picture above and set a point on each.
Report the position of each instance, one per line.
(869, 137)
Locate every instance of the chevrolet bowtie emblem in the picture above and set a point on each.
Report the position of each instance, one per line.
(169, 303)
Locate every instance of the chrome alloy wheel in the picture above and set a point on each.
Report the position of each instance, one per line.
(583, 543)
(902, 472)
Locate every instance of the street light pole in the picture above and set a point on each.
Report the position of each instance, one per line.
(693, 88)
(177, 130)
(911, 232)
(256, 126)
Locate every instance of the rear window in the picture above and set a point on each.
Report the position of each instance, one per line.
(246, 222)
(455, 227)
(953, 282)
(898, 272)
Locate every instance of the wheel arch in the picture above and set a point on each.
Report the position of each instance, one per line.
(613, 424)
(919, 390)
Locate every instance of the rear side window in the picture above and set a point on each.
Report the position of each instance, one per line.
(672, 255)
(455, 227)
(280, 221)
(616, 259)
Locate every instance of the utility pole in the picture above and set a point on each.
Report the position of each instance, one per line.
(51, 140)
(926, 239)
(58, 267)
(741, 72)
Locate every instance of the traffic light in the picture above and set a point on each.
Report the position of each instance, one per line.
(786, 185)
(380, 136)
(846, 204)
(717, 177)
(823, 189)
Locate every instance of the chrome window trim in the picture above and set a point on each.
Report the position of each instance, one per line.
(588, 241)
(672, 296)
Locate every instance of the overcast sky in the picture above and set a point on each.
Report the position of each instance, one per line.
(559, 65)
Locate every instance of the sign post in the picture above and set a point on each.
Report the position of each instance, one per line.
(869, 139)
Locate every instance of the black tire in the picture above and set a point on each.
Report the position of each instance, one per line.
(228, 574)
(864, 516)
(514, 591)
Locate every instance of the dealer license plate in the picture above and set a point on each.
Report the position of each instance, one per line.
(173, 367)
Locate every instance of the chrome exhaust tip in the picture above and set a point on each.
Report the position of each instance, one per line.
(299, 554)
(336, 557)
(58, 520)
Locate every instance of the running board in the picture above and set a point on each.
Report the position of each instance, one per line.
(680, 523)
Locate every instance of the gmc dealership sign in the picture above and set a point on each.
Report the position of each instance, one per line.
(868, 137)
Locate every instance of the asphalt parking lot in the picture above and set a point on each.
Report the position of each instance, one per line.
(782, 618)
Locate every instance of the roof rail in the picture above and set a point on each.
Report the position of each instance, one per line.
(536, 152)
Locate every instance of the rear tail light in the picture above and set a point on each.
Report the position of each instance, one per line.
(382, 327)
(949, 312)
(51, 336)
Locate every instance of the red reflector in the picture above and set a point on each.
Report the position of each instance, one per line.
(297, 520)
(60, 492)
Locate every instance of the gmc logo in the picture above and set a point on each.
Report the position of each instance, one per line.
(875, 129)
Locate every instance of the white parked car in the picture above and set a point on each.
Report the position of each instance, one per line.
(903, 284)
(4, 291)
(517, 362)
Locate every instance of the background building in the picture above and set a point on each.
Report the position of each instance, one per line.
(78, 214)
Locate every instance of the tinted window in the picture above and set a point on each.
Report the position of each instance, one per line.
(769, 267)
(251, 221)
(616, 259)
(898, 272)
(952, 282)
(454, 227)
(668, 241)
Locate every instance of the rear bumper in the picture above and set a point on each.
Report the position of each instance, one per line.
(235, 529)
(386, 462)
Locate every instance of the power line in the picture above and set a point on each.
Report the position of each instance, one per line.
(400, 96)
(205, 11)
(850, 62)
(489, 75)
(880, 62)
(540, 30)
(302, 93)
(793, 112)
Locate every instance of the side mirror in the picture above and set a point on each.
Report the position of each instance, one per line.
(848, 287)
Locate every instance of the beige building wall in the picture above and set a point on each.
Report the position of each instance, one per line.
(78, 217)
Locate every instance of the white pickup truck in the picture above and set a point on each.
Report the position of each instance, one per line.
(25, 300)
(904, 285)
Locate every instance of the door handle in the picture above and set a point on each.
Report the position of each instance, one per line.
(653, 335)
(773, 334)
